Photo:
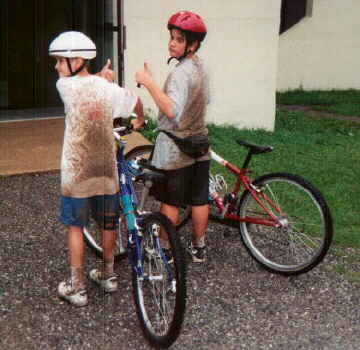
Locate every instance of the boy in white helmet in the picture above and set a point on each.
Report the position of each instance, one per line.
(89, 177)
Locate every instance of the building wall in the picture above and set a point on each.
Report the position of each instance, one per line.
(240, 50)
(322, 51)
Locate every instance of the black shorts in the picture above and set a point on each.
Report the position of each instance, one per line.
(189, 185)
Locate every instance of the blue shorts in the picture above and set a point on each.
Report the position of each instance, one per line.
(76, 211)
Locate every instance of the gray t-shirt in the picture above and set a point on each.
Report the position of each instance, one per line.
(188, 88)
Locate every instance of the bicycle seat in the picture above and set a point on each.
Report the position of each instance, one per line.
(255, 149)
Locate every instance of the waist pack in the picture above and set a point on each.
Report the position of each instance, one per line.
(193, 146)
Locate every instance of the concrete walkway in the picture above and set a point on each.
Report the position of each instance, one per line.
(317, 113)
(34, 146)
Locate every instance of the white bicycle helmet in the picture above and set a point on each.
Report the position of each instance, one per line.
(73, 44)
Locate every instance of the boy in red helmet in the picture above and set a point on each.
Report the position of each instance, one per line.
(182, 107)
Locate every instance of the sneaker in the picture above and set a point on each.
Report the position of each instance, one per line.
(197, 254)
(66, 291)
(109, 285)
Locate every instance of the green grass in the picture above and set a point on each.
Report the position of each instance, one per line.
(324, 151)
(347, 264)
(349, 274)
(345, 102)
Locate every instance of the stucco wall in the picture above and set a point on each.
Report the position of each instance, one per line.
(240, 50)
(322, 51)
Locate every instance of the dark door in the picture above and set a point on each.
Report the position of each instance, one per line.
(27, 76)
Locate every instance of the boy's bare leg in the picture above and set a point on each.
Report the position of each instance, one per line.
(200, 218)
(76, 255)
(76, 246)
(172, 213)
(108, 245)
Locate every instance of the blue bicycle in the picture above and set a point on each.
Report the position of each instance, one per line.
(159, 285)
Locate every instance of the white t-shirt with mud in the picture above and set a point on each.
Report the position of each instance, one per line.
(88, 161)
(188, 88)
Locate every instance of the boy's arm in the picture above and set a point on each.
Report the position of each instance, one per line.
(106, 72)
(139, 111)
(164, 103)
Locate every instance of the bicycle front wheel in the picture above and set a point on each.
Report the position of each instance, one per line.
(150, 204)
(160, 292)
(303, 235)
(93, 238)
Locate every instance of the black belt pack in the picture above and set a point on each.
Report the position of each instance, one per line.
(193, 146)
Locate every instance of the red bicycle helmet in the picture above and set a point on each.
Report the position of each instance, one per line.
(191, 25)
(188, 21)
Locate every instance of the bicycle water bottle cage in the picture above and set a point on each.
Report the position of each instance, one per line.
(217, 182)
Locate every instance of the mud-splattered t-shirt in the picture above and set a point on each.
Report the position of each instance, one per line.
(88, 161)
(188, 88)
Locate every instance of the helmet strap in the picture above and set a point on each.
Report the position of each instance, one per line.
(183, 56)
(78, 70)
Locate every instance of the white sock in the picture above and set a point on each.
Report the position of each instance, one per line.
(198, 241)
(108, 268)
(77, 278)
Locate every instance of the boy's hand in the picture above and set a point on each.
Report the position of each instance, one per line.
(137, 124)
(107, 73)
(143, 76)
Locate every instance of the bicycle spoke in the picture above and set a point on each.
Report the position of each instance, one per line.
(305, 236)
(302, 244)
(266, 236)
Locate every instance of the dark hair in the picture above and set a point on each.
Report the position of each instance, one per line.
(190, 38)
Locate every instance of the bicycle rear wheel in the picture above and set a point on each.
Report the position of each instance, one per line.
(151, 204)
(160, 293)
(304, 235)
(92, 238)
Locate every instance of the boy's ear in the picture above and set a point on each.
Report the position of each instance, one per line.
(194, 46)
(78, 62)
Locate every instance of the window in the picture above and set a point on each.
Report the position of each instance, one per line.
(292, 11)
(27, 74)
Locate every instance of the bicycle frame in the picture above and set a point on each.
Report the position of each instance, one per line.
(243, 180)
(128, 205)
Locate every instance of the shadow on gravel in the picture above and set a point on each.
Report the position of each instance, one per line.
(232, 303)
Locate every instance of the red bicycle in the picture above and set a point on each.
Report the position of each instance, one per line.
(283, 220)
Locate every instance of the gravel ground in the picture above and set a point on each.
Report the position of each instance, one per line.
(232, 304)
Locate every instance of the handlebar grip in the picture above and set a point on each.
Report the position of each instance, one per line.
(123, 130)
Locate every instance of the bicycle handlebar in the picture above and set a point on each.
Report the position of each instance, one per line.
(123, 130)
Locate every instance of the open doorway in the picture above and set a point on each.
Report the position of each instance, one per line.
(27, 75)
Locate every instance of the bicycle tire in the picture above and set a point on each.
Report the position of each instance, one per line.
(160, 308)
(92, 238)
(151, 204)
(305, 237)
